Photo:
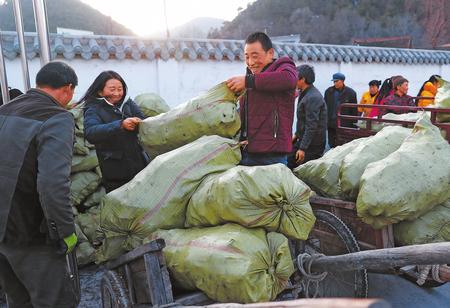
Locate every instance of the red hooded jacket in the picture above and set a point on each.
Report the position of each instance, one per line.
(267, 108)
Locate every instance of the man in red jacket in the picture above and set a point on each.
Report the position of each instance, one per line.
(267, 108)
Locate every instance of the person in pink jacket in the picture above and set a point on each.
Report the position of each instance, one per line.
(386, 90)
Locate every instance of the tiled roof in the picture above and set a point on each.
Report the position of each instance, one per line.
(121, 47)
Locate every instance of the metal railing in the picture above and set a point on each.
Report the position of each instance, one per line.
(3, 77)
(21, 37)
(355, 131)
(40, 14)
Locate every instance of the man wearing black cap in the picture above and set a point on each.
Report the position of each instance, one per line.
(338, 94)
(310, 135)
(37, 231)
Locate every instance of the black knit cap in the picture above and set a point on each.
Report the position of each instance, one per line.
(375, 83)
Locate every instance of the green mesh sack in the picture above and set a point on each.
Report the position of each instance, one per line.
(409, 182)
(151, 104)
(322, 174)
(89, 223)
(84, 251)
(84, 163)
(442, 100)
(77, 113)
(157, 196)
(432, 227)
(228, 263)
(95, 198)
(82, 185)
(377, 126)
(410, 116)
(371, 150)
(213, 113)
(264, 196)
(79, 147)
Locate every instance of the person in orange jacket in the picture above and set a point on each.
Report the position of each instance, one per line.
(429, 90)
(368, 98)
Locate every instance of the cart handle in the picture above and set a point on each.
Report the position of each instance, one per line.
(382, 259)
(153, 246)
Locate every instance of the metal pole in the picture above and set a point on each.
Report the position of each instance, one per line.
(165, 16)
(40, 16)
(3, 78)
(23, 52)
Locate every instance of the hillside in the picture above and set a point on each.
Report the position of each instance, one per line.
(63, 13)
(340, 21)
(196, 28)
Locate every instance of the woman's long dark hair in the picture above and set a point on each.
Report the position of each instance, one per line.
(99, 84)
(386, 87)
(432, 79)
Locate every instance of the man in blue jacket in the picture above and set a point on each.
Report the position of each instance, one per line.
(36, 220)
(334, 96)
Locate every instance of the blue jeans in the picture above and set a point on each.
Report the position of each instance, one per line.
(262, 159)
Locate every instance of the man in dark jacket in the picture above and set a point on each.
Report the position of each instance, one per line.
(36, 220)
(310, 135)
(338, 94)
(267, 108)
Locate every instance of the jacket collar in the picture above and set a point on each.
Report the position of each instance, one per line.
(341, 90)
(102, 100)
(303, 92)
(35, 91)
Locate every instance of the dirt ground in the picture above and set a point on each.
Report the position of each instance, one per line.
(396, 290)
(90, 287)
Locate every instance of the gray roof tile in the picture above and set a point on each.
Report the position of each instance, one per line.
(121, 47)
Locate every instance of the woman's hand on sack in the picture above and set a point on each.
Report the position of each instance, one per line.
(131, 123)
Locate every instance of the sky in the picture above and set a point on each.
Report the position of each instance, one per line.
(146, 17)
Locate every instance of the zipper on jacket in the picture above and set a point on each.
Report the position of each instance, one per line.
(245, 106)
(275, 125)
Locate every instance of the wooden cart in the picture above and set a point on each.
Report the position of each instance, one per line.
(339, 230)
(140, 277)
(330, 262)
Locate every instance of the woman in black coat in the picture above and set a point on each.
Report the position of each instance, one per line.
(110, 123)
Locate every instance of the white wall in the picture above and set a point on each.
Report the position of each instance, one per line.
(178, 81)
(358, 75)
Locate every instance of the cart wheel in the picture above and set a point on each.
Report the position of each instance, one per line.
(114, 292)
(331, 236)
